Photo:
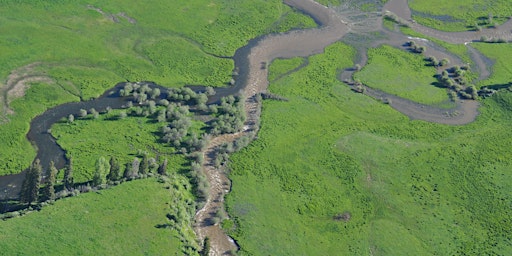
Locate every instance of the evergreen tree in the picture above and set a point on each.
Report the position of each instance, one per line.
(30, 187)
(68, 175)
(144, 164)
(113, 175)
(49, 189)
(162, 169)
(134, 172)
(127, 171)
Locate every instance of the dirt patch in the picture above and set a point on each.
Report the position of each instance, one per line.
(112, 17)
(16, 84)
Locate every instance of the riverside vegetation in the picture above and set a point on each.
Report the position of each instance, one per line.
(330, 171)
(347, 167)
(173, 44)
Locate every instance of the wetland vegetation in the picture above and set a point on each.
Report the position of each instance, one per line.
(325, 170)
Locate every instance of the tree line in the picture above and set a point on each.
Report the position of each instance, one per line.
(106, 173)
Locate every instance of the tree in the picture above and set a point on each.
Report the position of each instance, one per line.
(162, 169)
(102, 169)
(71, 118)
(210, 91)
(82, 113)
(444, 62)
(68, 175)
(30, 187)
(144, 164)
(113, 175)
(49, 189)
(122, 114)
(127, 171)
(132, 169)
(155, 93)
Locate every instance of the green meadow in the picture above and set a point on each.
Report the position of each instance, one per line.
(88, 47)
(332, 172)
(499, 54)
(88, 139)
(403, 74)
(408, 187)
(119, 221)
(460, 15)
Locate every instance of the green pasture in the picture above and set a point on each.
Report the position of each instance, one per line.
(88, 139)
(85, 52)
(460, 15)
(411, 187)
(500, 54)
(119, 221)
(281, 67)
(401, 73)
(16, 152)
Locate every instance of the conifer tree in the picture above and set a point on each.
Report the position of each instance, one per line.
(49, 189)
(30, 187)
(113, 175)
(162, 169)
(144, 164)
(68, 175)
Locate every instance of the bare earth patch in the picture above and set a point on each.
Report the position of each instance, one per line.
(16, 84)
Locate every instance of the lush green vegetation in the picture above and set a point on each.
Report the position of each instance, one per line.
(280, 67)
(17, 153)
(401, 73)
(87, 47)
(458, 49)
(119, 221)
(460, 15)
(88, 139)
(500, 54)
(411, 187)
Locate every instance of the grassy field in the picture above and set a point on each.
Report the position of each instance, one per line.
(500, 54)
(460, 15)
(117, 221)
(411, 187)
(85, 52)
(283, 66)
(401, 73)
(89, 139)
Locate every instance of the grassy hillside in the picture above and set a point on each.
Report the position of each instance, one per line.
(118, 221)
(409, 187)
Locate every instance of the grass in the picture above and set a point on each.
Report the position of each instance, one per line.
(499, 53)
(459, 50)
(412, 187)
(459, 15)
(17, 153)
(89, 139)
(116, 221)
(401, 73)
(281, 67)
(85, 52)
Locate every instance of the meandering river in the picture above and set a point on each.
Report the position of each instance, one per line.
(252, 80)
